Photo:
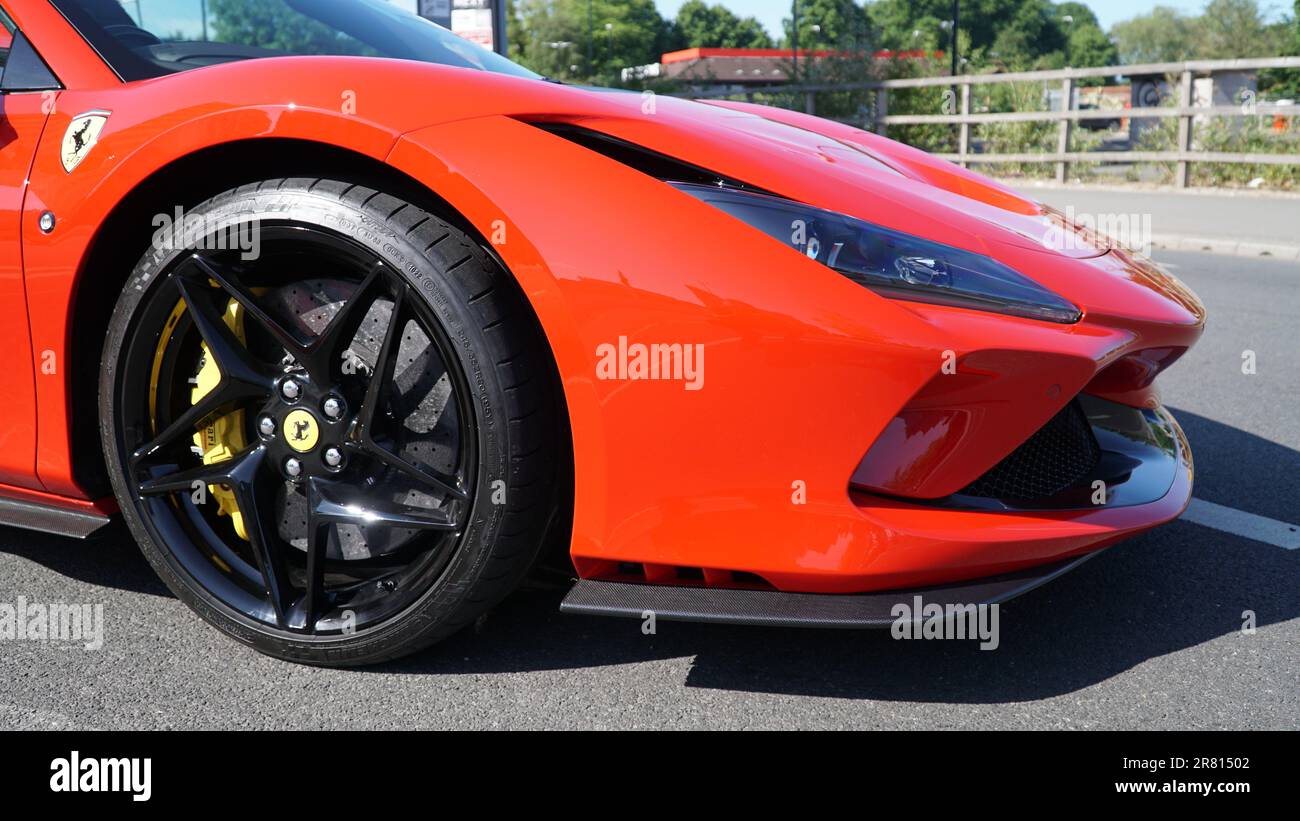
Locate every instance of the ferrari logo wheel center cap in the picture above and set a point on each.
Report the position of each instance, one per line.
(301, 430)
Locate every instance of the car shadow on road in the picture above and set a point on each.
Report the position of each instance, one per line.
(109, 558)
(1174, 588)
(1154, 595)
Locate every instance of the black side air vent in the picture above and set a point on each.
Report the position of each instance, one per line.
(659, 166)
(1060, 454)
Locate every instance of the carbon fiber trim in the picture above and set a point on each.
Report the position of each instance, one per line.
(776, 609)
(49, 519)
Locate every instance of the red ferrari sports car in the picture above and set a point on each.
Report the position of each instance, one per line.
(348, 317)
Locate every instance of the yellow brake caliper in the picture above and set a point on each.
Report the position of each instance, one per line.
(225, 436)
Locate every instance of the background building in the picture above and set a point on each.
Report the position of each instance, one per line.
(479, 21)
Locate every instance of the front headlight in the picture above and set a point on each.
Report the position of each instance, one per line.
(890, 262)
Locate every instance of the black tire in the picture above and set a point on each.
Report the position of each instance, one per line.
(510, 398)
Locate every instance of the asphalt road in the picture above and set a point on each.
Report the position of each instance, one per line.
(1229, 216)
(1148, 635)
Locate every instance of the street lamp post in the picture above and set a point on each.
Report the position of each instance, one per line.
(955, 11)
(956, 92)
(794, 40)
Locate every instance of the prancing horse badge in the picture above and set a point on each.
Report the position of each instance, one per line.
(81, 136)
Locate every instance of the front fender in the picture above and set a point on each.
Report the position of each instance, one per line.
(136, 144)
(749, 471)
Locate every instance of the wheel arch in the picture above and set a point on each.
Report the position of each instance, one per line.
(123, 236)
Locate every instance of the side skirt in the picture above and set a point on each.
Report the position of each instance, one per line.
(48, 518)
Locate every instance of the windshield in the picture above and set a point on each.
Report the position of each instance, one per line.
(149, 38)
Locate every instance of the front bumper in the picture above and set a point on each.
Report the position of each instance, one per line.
(977, 550)
(1147, 473)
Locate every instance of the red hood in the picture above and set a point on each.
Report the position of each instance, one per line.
(801, 157)
(874, 179)
(797, 156)
(851, 171)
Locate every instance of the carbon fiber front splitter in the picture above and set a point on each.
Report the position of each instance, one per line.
(772, 608)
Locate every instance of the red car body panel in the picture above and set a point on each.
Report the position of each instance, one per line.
(24, 120)
(806, 370)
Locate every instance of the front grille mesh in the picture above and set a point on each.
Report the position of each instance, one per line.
(1060, 454)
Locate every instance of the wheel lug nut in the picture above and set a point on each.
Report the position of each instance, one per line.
(333, 408)
(266, 426)
(293, 467)
(290, 389)
(333, 457)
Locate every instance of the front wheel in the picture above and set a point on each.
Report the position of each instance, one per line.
(328, 421)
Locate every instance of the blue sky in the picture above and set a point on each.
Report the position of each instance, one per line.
(771, 12)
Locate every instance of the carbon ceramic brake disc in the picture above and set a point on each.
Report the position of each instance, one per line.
(423, 432)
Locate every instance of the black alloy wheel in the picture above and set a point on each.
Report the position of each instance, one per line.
(308, 441)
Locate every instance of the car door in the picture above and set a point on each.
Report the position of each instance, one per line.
(22, 118)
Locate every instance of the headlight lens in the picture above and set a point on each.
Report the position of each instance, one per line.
(890, 262)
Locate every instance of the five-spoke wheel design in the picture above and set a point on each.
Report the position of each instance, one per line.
(298, 430)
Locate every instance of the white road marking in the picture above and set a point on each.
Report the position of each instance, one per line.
(1241, 523)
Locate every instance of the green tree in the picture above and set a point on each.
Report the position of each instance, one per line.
(749, 33)
(901, 23)
(830, 24)
(1235, 28)
(700, 25)
(622, 33)
(516, 36)
(1284, 83)
(277, 27)
(1085, 42)
(1227, 29)
(1079, 13)
(1162, 35)
(1089, 46)
(1008, 33)
(1032, 31)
